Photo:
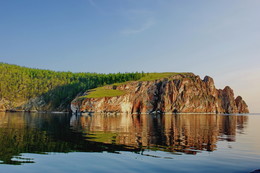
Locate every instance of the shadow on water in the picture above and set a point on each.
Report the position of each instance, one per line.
(44, 133)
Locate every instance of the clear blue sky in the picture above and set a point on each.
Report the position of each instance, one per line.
(217, 38)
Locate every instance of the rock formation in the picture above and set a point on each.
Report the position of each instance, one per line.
(182, 93)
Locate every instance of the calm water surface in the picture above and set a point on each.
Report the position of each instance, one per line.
(31, 142)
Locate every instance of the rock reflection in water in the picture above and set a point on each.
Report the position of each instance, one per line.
(188, 133)
(43, 134)
(50, 133)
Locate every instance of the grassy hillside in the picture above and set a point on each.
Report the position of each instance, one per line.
(155, 76)
(20, 84)
(104, 92)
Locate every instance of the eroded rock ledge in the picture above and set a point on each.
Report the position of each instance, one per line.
(183, 93)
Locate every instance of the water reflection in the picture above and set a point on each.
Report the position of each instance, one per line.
(188, 133)
(44, 133)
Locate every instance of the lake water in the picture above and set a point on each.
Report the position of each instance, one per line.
(33, 142)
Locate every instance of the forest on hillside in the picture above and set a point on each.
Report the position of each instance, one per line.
(20, 84)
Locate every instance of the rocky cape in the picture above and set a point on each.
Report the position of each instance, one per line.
(181, 93)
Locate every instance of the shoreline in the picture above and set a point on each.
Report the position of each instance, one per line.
(119, 113)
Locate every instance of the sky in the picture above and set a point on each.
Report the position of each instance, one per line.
(216, 38)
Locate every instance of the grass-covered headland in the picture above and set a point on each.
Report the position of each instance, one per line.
(105, 92)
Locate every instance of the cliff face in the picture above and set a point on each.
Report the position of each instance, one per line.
(183, 93)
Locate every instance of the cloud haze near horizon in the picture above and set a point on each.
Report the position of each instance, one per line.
(215, 38)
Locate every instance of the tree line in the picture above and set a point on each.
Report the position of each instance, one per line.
(19, 84)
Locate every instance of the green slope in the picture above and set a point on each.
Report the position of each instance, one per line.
(104, 92)
(57, 89)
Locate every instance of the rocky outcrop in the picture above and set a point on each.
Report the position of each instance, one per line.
(184, 93)
(241, 105)
(36, 104)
